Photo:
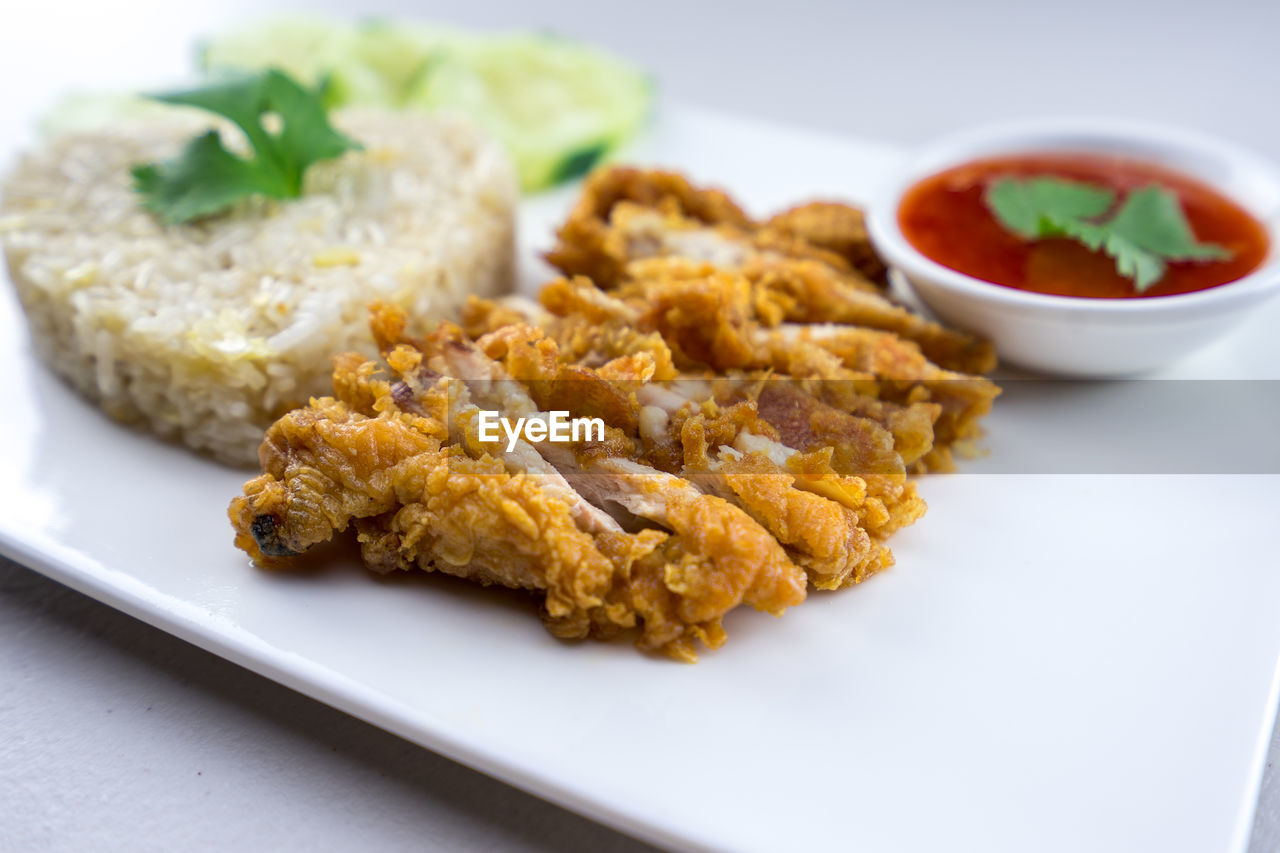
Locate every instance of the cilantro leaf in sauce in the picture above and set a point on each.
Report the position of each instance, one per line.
(1022, 205)
(206, 178)
(1148, 230)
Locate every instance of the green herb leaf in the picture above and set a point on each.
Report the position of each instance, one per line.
(206, 178)
(1022, 205)
(203, 180)
(1152, 219)
(1149, 229)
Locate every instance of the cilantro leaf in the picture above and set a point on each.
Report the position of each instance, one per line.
(1147, 232)
(1020, 205)
(1152, 219)
(206, 178)
(1132, 260)
(306, 133)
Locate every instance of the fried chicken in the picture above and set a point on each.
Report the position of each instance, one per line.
(836, 227)
(760, 406)
(689, 320)
(429, 494)
(810, 264)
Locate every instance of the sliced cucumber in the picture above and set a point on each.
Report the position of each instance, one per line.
(401, 53)
(85, 111)
(559, 106)
(307, 49)
(90, 111)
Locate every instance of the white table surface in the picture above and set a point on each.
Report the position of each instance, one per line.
(114, 735)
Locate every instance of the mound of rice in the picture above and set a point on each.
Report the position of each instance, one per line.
(206, 333)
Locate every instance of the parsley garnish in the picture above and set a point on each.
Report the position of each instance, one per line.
(1142, 236)
(206, 178)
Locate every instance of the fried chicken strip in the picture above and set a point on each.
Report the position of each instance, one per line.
(743, 564)
(433, 496)
(810, 264)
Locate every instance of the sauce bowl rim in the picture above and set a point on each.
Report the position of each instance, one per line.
(1165, 145)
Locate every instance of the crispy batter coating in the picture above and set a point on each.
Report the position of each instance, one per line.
(810, 264)
(709, 320)
(761, 406)
(836, 227)
(377, 457)
(827, 537)
(587, 247)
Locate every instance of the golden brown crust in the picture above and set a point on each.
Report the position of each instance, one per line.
(586, 246)
(810, 264)
(377, 457)
(762, 405)
(836, 227)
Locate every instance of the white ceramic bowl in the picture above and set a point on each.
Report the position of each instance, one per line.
(1077, 336)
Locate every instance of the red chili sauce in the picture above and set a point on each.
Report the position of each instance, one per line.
(945, 217)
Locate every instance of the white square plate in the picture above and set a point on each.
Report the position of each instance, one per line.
(1056, 663)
